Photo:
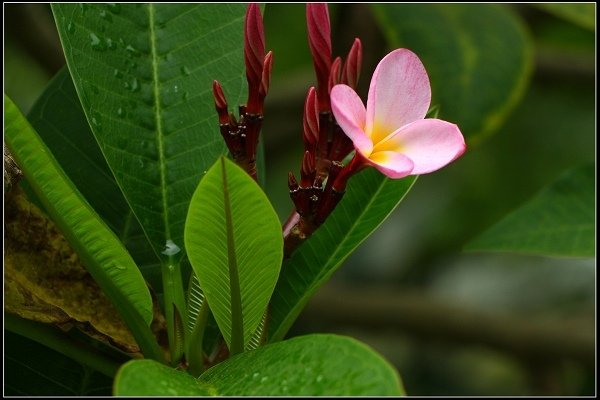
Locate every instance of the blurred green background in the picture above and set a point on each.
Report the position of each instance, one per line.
(452, 322)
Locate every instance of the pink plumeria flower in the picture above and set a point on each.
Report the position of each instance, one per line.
(391, 134)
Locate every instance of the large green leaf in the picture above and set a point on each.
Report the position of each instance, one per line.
(58, 118)
(98, 247)
(314, 365)
(144, 76)
(234, 242)
(478, 58)
(370, 198)
(559, 221)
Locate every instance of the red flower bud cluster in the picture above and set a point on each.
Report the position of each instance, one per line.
(323, 177)
(325, 144)
(242, 136)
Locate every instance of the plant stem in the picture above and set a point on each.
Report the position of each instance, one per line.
(56, 340)
(195, 351)
(174, 298)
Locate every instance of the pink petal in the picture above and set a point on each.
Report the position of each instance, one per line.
(392, 164)
(430, 143)
(349, 112)
(399, 94)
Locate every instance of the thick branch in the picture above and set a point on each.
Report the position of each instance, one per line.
(422, 316)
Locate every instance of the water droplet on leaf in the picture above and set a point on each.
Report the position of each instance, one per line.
(185, 70)
(135, 86)
(131, 51)
(97, 43)
(105, 15)
(114, 8)
(111, 44)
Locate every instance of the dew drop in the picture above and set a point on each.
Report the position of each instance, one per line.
(117, 73)
(71, 27)
(105, 15)
(131, 51)
(120, 267)
(319, 378)
(255, 375)
(185, 95)
(95, 120)
(185, 70)
(170, 248)
(120, 112)
(97, 43)
(114, 8)
(176, 89)
(264, 379)
(111, 44)
(135, 86)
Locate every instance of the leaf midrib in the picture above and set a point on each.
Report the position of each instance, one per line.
(237, 321)
(157, 113)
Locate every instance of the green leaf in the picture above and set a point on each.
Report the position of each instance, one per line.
(58, 118)
(314, 365)
(149, 378)
(478, 58)
(98, 247)
(582, 14)
(370, 198)
(144, 76)
(235, 246)
(559, 221)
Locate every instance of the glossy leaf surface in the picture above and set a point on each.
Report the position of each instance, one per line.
(235, 246)
(313, 365)
(143, 73)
